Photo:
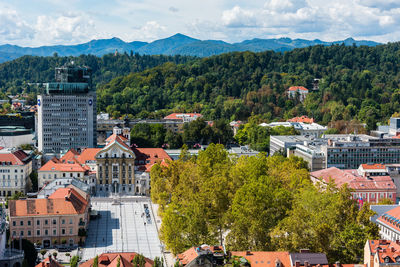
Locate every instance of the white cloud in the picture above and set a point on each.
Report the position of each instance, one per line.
(238, 17)
(380, 4)
(150, 31)
(65, 29)
(13, 27)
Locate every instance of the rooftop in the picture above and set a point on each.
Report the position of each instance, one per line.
(386, 249)
(111, 260)
(181, 116)
(64, 201)
(264, 258)
(298, 88)
(353, 179)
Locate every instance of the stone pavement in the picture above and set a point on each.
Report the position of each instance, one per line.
(122, 228)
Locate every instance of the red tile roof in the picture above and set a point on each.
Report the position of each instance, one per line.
(116, 138)
(89, 154)
(111, 260)
(18, 157)
(303, 119)
(49, 262)
(150, 156)
(113, 136)
(298, 88)
(384, 248)
(191, 254)
(354, 181)
(65, 201)
(265, 258)
(53, 165)
(373, 166)
(179, 116)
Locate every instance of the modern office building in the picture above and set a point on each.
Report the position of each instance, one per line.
(67, 111)
(341, 150)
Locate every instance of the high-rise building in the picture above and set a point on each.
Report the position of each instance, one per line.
(67, 111)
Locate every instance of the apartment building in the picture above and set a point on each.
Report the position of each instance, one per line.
(59, 220)
(15, 168)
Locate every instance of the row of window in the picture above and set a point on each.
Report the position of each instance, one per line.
(8, 171)
(46, 222)
(46, 232)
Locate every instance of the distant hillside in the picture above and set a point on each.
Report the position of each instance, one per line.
(177, 44)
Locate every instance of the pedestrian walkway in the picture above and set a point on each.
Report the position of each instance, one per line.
(122, 228)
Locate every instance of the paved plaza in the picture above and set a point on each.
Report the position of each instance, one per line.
(122, 228)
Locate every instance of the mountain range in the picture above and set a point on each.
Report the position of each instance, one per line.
(177, 44)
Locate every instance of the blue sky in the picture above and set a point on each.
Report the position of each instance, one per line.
(50, 22)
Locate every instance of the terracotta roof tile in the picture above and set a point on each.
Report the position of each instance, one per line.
(18, 157)
(111, 260)
(89, 154)
(179, 116)
(62, 201)
(303, 119)
(373, 166)
(265, 258)
(49, 263)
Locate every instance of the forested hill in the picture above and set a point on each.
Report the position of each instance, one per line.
(15, 75)
(356, 82)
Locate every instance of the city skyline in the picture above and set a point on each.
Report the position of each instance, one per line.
(58, 22)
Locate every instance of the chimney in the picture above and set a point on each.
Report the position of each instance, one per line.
(248, 252)
(306, 264)
(398, 242)
(392, 249)
(337, 264)
(297, 263)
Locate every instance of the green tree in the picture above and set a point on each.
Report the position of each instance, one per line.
(43, 252)
(96, 261)
(74, 261)
(138, 260)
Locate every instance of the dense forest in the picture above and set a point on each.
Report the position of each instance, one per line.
(256, 203)
(355, 82)
(359, 83)
(16, 75)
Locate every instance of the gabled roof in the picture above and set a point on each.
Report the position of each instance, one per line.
(111, 260)
(311, 258)
(192, 253)
(65, 201)
(18, 157)
(384, 248)
(298, 88)
(114, 138)
(264, 258)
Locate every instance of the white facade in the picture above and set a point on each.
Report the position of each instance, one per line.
(306, 129)
(16, 140)
(14, 178)
(66, 121)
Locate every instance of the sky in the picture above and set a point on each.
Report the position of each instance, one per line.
(52, 22)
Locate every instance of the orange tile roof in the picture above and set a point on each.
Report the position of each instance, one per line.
(179, 116)
(298, 88)
(152, 155)
(373, 166)
(116, 138)
(191, 254)
(385, 248)
(49, 262)
(303, 119)
(389, 219)
(89, 154)
(51, 165)
(13, 158)
(265, 258)
(111, 260)
(65, 201)
(113, 136)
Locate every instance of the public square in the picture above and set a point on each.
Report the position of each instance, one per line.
(122, 227)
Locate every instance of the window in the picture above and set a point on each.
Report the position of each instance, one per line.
(54, 221)
(29, 222)
(37, 232)
(37, 222)
(29, 233)
(62, 221)
(14, 233)
(46, 222)
(70, 231)
(63, 231)
(70, 221)
(54, 232)
(46, 232)
(22, 233)
(21, 223)
(14, 223)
